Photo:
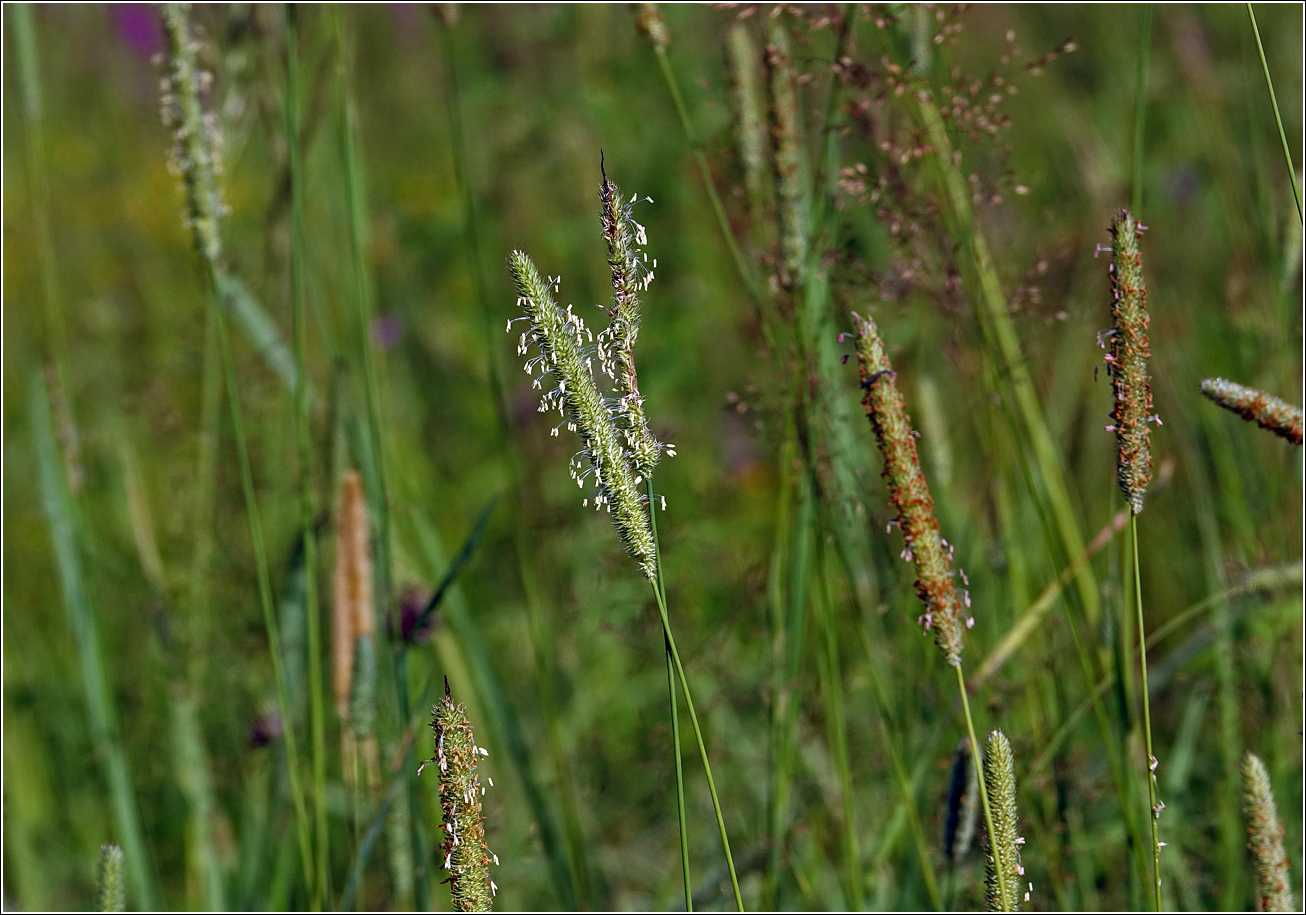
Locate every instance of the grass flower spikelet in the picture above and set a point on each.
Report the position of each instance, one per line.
(1127, 362)
(110, 894)
(631, 275)
(1265, 832)
(466, 856)
(1004, 845)
(561, 338)
(1266, 410)
(195, 153)
(909, 492)
(650, 23)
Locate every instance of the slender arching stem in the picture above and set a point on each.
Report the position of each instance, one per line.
(659, 591)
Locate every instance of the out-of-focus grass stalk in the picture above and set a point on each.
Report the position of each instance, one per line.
(1140, 106)
(29, 76)
(837, 725)
(1278, 120)
(995, 319)
(658, 39)
(201, 192)
(65, 537)
(406, 842)
(891, 743)
(574, 885)
(317, 713)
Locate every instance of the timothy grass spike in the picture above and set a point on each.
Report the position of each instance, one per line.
(1127, 362)
(561, 337)
(1273, 881)
(1004, 845)
(631, 275)
(909, 493)
(110, 894)
(1267, 411)
(466, 856)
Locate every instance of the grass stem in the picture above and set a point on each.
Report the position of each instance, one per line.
(660, 592)
(976, 754)
(317, 713)
(1155, 811)
(1278, 119)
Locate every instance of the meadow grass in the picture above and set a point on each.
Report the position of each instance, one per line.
(945, 170)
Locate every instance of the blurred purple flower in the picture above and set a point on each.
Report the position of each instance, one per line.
(139, 27)
(387, 331)
(412, 601)
(264, 729)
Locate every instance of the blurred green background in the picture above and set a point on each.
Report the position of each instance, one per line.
(480, 130)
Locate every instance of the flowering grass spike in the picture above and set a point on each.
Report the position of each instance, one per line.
(466, 856)
(1266, 410)
(197, 140)
(631, 275)
(909, 492)
(565, 355)
(1127, 362)
(1004, 846)
(1265, 839)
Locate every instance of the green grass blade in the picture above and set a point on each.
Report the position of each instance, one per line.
(101, 708)
(1278, 119)
(317, 714)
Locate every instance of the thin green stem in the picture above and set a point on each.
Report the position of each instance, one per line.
(741, 265)
(259, 547)
(317, 714)
(1269, 84)
(1155, 811)
(1140, 106)
(660, 592)
(1004, 891)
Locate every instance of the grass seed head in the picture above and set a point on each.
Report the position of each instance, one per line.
(742, 59)
(565, 356)
(787, 153)
(1265, 839)
(1266, 410)
(650, 23)
(1004, 845)
(197, 141)
(110, 894)
(351, 604)
(464, 851)
(1127, 362)
(909, 492)
(631, 275)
